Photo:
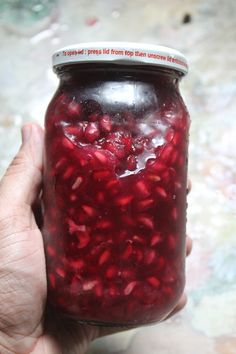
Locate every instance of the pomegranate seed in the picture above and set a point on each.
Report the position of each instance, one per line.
(68, 144)
(156, 239)
(145, 204)
(123, 201)
(113, 290)
(138, 239)
(127, 274)
(131, 163)
(77, 183)
(83, 238)
(154, 282)
(104, 257)
(101, 157)
(105, 123)
(73, 197)
(171, 241)
(74, 131)
(91, 132)
(93, 117)
(149, 256)
(100, 197)
(68, 173)
(174, 213)
(76, 264)
(60, 271)
(138, 255)
(167, 290)
(74, 109)
(153, 178)
(51, 251)
(146, 221)
(101, 175)
(130, 287)
(103, 224)
(111, 272)
(73, 227)
(161, 192)
(98, 289)
(142, 189)
(52, 280)
(89, 210)
(89, 285)
(167, 152)
(127, 252)
(60, 163)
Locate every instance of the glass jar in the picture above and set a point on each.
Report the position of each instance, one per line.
(115, 183)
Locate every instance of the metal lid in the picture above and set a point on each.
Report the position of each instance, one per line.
(121, 53)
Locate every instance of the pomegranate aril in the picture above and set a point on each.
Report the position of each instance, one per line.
(104, 257)
(51, 251)
(68, 172)
(174, 213)
(145, 204)
(104, 224)
(73, 227)
(52, 280)
(154, 282)
(98, 289)
(149, 257)
(89, 210)
(130, 287)
(161, 192)
(83, 238)
(105, 123)
(171, 242)
(101, 157)
(156, 239)
(94, 117)
(74, 109)
(131, 163)
(124, 201)
(74, 131)
(92, 132)
(77, 183)
(60, 271)
(142, 189)
(146, 221)
(111, 272)
(127, 252)
(89, 285)
(76, 264)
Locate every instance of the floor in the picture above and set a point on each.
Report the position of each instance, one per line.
(205, 31)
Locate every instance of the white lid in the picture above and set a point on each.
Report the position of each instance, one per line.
(121, 53)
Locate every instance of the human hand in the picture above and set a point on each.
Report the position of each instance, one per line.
(25, 324)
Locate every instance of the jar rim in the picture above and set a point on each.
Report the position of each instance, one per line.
(122, 53)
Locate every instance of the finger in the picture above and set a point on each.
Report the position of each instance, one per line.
(189, 245)
(20, 184)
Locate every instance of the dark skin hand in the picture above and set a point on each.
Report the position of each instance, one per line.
(26, 326)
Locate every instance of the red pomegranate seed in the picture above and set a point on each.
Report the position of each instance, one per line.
(131, 163)
(130, 287)
(153, 178)
(101, 157)
(51, 251)
(174, 213)
(103, 224)
(111, 272)
(106, 123)
(127, 252)
(73, 227)
(68, 144)
(101, 175)
(156, 239)
(98, 289)
(104, 257)
(171, 241)
(68, 173)
(91, 132)
(149, 256)
(73, 197)
(123, 201)
(77, 183)
(146, 221)
(142, 189)
(83, 238)
(52, 280)
(138, 255)
(76, 264)
(145, 204)
(89, 210)
(74, 131)
(161, 192)
(89, 285)
(60, 271)
(113, 290)
(74, 109)
(154, 282)
(93, 117)
(100, 197)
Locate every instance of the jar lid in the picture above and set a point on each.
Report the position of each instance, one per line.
(121, 53)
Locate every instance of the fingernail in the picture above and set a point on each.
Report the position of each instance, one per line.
(26, 133)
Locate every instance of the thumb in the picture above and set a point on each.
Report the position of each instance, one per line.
(21, 182)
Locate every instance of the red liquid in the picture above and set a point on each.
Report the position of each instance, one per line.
(115, 202)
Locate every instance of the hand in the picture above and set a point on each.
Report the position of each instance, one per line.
(25, 325)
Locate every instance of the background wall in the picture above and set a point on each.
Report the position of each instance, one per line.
(205, 32)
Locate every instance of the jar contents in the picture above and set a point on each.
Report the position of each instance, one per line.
(115, 206)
